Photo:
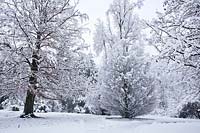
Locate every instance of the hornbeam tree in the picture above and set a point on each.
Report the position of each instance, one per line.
(35, 31)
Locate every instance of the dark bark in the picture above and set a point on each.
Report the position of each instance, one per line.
(30, 98)
(28, 107)
(126, 112)
(126, 108)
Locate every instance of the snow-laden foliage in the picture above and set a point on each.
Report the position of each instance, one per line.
(36, 36)
(178, 30)
(126, 88)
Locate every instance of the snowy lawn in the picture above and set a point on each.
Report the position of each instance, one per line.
(79, 123)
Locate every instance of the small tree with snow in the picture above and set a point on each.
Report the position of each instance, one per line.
(124, 85)
(126, 88)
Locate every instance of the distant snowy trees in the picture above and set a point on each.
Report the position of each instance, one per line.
(174, 86)
(125, 87)
(175, 34)
(121, 24)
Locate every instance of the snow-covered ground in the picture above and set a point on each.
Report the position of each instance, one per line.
(79, 123)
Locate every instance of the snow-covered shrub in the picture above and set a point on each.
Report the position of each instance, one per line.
(82, 107)
(79, 108)
(2, 99)
(53, 106)
(71, 105)
(93, 101)
(15, 108)
(87, 110)
(13, 103)
(190, 110)
(41, 108)
(68, 105)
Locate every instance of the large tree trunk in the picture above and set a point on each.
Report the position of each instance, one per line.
(30, 97)
(28, 107)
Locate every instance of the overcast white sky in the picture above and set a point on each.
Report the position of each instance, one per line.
(97, 8)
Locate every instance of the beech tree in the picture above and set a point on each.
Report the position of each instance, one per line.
(35, 31)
